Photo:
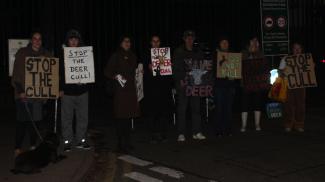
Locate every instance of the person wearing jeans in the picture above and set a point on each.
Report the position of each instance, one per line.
(183, 55)
(224, 93)
(74, 101)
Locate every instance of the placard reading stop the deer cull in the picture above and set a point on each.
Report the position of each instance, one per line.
(300, 71)
(161, 63)
(229, 65)
(42, 77)
(79, 65)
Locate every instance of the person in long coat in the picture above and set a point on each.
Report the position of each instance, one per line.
(121, 68)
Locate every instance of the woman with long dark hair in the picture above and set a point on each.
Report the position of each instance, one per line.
(121, 68)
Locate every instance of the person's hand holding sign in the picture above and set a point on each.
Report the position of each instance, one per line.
(120, 79)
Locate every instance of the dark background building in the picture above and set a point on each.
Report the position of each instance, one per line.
(103, 22)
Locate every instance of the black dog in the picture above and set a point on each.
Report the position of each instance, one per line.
(32, 161)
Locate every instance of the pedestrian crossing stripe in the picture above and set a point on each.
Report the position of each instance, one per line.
(167, 171)
(141, 177)
(134, 160)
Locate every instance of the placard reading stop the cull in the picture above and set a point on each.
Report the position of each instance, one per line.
(79, 65)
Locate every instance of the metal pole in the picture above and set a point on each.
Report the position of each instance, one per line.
(174, 114)
(132, 123)
(207, 108)
(56, 115)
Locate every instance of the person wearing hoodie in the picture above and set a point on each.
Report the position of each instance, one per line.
(183, 57)
(74, 101)
(224, 93)
(27, 110)
(121, 69)
(251, 100)
(158, 97)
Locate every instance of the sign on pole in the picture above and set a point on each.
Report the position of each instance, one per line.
(300, 71)
(13, 46)
(229, 65)
(42, 77)
(79, 65)
(275, 27)
(139, 82)
(161, 62)
(198, 81)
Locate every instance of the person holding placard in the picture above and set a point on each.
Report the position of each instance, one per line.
(224, 93)
(74, 101)
(27, 110)
(295, 105)
(251, 100)
(184, 57)
(121, 68)
(158, 100)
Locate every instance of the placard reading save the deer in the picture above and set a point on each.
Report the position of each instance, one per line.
(79, 65)
(42, 77)
(300, 71)
(161, 63)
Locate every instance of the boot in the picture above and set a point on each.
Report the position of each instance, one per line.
(244, 116)
(257, 117)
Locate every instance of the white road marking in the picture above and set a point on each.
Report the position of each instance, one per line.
(141, 177)
(167, 171)
(134, 160)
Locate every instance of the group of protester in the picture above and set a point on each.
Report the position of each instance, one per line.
(157, 89)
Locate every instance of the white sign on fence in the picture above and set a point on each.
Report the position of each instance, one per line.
(13, 46)
(139, 82)
(79, 65)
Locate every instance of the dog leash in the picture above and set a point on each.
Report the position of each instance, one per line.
(33, 122)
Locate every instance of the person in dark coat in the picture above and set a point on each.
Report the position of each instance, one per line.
(121, 68)
(224, 93)
(27, 110)
(251, 100)
(158, 97)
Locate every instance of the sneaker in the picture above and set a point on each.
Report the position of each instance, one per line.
(287, 130)
(83, 145)
(32, 148)
(181, 138)
(300, 130)
(67, 148)
(199, 136)
(258, 128)
(243, 130)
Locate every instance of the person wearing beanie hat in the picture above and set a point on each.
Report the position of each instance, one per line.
(224, 93)
(183, 55)
(74, 101)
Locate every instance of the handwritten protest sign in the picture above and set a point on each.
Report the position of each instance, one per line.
(229, 65)
(161, 63)
(199, 78)
(13, 46)
(79, 65)
(300, 71)
(139, 81)
(256, 74)
(42, 77)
